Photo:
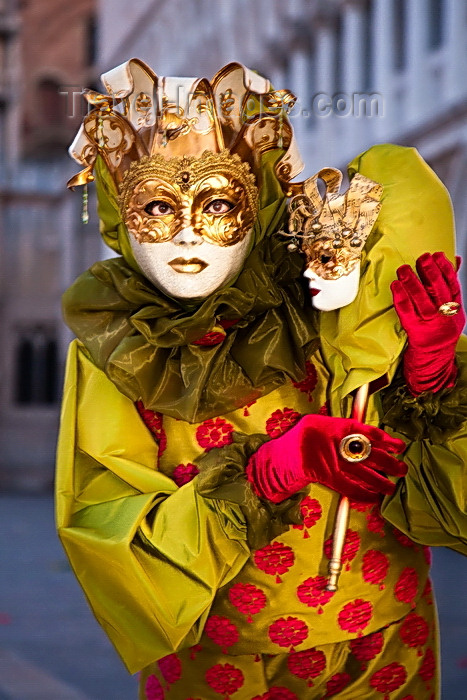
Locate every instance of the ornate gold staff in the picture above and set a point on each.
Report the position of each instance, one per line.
(333, 228)
(357, 448)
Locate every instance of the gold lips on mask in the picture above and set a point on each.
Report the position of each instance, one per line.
(215, 195)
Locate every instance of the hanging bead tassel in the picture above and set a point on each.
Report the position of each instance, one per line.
(85, 210)
(100, 132)
(280, 141)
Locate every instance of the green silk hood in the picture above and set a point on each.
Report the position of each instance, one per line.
(364, 340)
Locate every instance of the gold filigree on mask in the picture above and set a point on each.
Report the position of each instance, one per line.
(190, 189)
(334, 227)
(329, 263)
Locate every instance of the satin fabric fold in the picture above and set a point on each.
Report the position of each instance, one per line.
(107, 494)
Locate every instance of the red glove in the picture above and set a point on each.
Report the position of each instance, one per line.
(429, 359)
(309, 453)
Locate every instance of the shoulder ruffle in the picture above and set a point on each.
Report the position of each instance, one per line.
(147, 344)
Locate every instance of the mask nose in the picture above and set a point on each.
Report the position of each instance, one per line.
(187, 237)
(309, 274)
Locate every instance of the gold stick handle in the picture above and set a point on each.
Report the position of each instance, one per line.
(343, 509)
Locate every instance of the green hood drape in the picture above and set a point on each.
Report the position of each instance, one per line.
(364, 340)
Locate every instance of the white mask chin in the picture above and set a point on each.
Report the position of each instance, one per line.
(327, 295)
(189, 267)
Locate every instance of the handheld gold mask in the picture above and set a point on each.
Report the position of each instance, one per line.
(215, 195)
(333, 229)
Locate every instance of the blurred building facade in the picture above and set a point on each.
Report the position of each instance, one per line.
(49, 56)
(365, 71)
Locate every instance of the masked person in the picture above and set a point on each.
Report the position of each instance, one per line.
(196, 405)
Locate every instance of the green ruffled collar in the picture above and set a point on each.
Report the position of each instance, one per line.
(145, 342)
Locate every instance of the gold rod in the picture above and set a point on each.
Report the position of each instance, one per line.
(342, 517)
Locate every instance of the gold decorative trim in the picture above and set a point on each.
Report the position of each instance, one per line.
(334, 227)
(183, 170)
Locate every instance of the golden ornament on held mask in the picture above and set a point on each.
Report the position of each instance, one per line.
(188, 185)
(334, 227)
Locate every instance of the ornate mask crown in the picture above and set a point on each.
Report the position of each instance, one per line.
(334, 227)
(145, 116)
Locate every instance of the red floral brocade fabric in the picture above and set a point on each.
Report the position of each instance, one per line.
(278, 602)
(398, 661)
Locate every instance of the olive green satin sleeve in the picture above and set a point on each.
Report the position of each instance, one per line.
(430, 504)
(149, 556)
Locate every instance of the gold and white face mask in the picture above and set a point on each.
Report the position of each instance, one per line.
(333, 230)
(190, 220)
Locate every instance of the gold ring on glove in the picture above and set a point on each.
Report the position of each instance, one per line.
(450, 308)
(355, 447)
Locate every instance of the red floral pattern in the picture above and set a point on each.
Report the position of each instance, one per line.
(153, 689)
(247, 598)
(403, 539)
(359, 506)
(428, 667)
(355, 616)
(375, 566)
(274, 559)
(406, 587)
(325, 409)
(307, 664)
(336, 683)
(368, 647)
(288, 632)
(308, 384)
(277, 693)
(211, 338)
(427, 554)
(171, 668)
(183, 473)
(214, 432)
(153, 421)
(222, 632)
(428, 592)
(388, 679)
(246, 412)
(312, 592)
(350, 549)
(375, 522)
(195, 649)
(280, 421)
(311, 511)
(224, 679)
(414, 631)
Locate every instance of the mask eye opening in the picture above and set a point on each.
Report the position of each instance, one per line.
(218, 206)
(164, 209)
(324, 259)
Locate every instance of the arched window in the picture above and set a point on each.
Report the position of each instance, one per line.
(435, 23)
(367, 49)
(91, 40)
(400, 34)
(339, 56)
(51, 105)
(36, 368)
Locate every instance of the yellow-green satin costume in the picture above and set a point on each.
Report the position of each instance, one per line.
(158, 563)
